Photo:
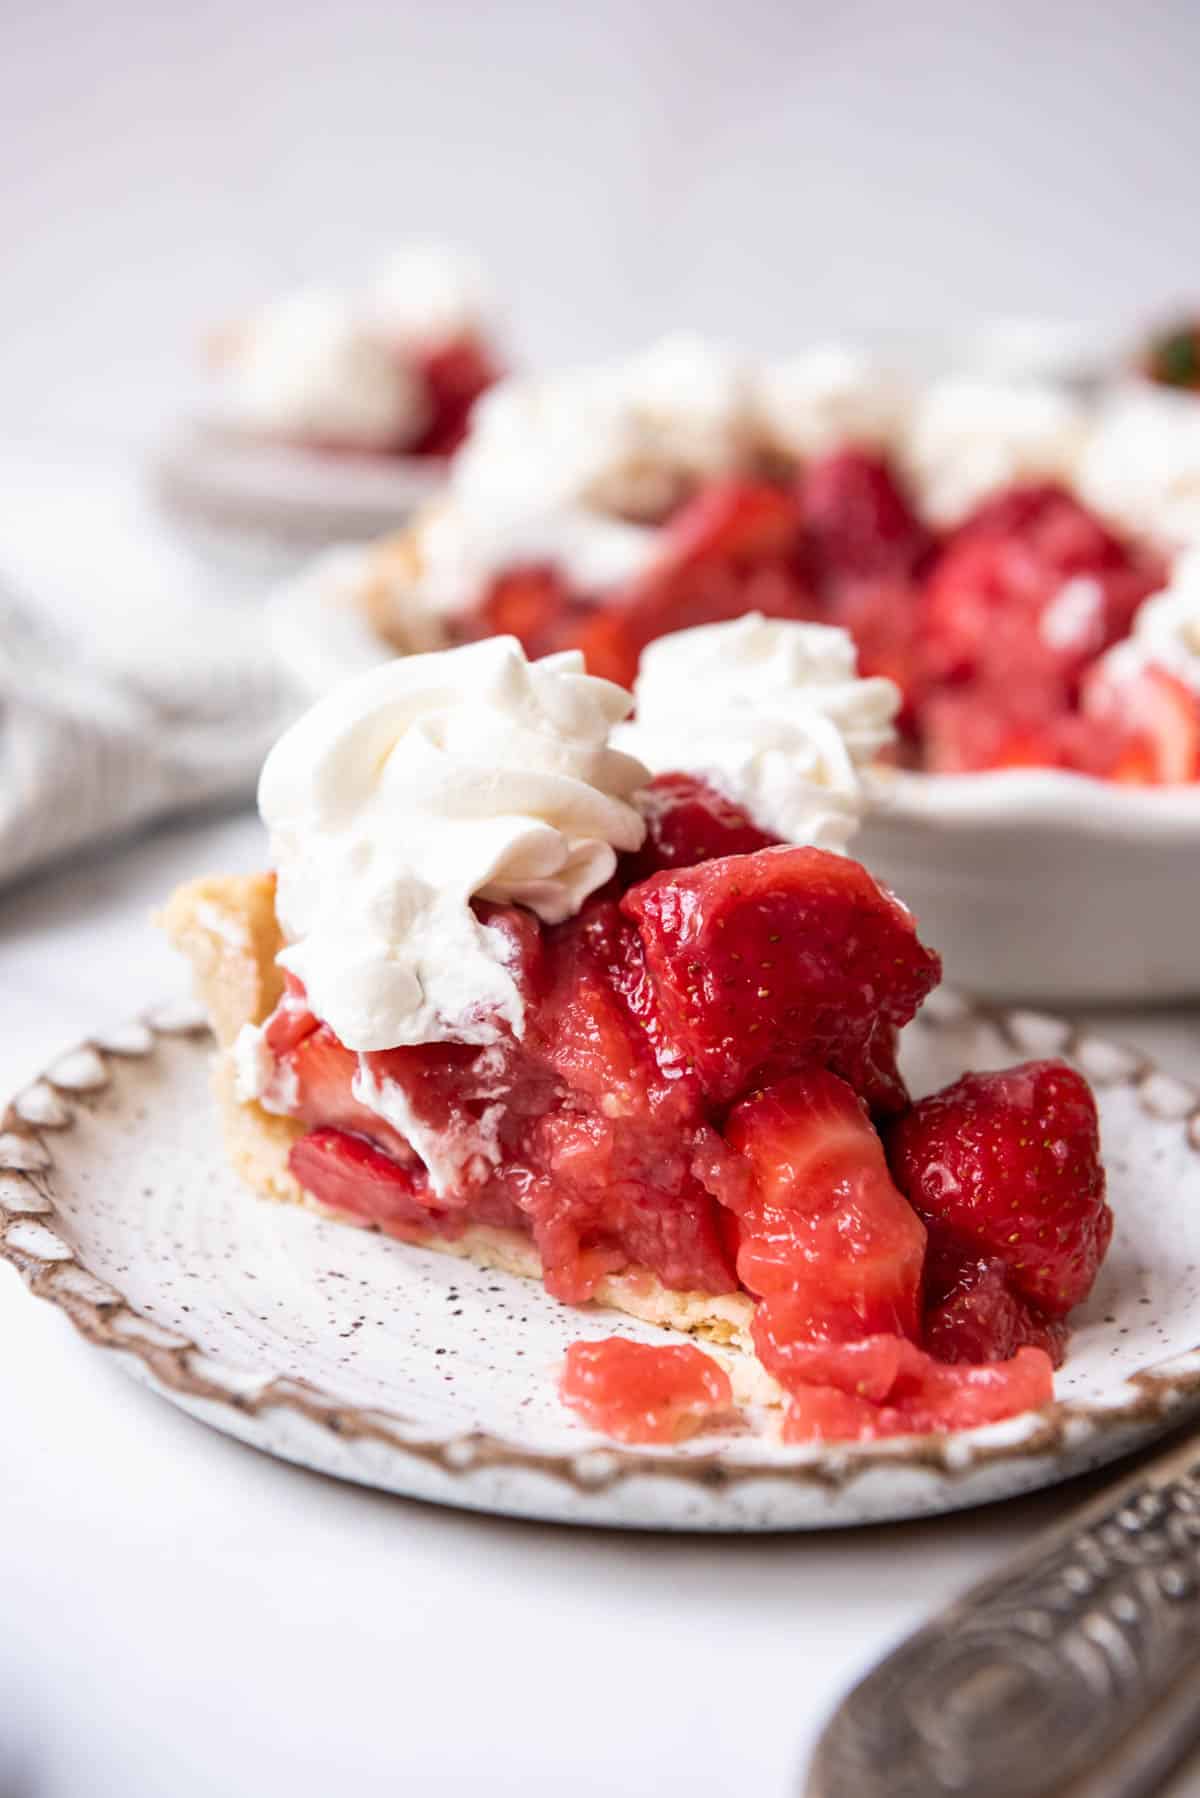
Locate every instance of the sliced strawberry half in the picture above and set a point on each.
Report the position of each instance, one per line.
(352, 1176)
(1007, 1166)
(323, 1071)
(766, 963)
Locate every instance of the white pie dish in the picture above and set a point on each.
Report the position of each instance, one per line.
(1040, 886)
(425, 1375)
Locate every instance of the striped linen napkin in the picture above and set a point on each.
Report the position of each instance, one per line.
(90, 751)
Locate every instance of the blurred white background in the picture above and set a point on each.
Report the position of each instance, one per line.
(759, 170)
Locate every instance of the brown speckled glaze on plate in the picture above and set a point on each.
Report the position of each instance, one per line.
(421, 1374)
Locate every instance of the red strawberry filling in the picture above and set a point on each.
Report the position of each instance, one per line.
(455, 374)
(992, 631)
(706, 1045)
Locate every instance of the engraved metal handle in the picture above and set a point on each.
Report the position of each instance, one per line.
(1075, 1669)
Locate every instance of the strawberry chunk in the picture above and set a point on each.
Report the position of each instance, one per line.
(641, 1392)
(837, 1255)
(455, 375)
(926, 1397)
(973, 1314)
(972, 729)
(535, 605)
(858, 522)
(613, 636)
(291, 1021)
(1046, 515)
(612, 1144)
(883, 616)
(732, 521)
(768, 962)
(687, 821)
(1032, 587)
(732, 549)
(322, 1071)
(826, 1240)
(1007, 1166)
(1157, 718)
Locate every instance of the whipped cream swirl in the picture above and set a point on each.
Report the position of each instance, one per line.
(968, 437)
(773, 714)
(429, 294)
(1142, 466)
(830, 396)
(1166, 630)
(412, 789)
(525, 492)
(308, 367)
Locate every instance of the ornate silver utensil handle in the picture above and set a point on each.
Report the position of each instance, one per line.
(1075, 1669)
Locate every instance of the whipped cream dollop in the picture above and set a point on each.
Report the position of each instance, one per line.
(1166, 630)
(773, 714)
(831, 396)
(968, 436)
(427, 294)
(525, 491)
(412, 789)
(690, 405)
(1142, 466)
(620, 437)
(309, 367)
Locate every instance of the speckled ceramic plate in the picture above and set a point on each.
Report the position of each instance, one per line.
(417, 1373)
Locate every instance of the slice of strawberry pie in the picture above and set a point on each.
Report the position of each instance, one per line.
(509, 996)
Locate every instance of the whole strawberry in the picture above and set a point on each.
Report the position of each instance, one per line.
(858, 522)
(1008, 1166)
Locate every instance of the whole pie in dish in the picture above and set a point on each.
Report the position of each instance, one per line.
(394, 368)
(1012, 557)
(508, 995)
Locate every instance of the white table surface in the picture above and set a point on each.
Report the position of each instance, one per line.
(180, 1616)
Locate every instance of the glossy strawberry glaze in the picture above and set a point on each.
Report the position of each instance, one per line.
(707, 1062)
(992, 631)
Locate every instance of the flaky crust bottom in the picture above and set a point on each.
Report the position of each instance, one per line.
(227, 929)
